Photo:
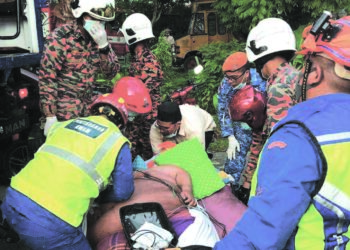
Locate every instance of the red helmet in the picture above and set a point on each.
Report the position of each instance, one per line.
(235, 62)
(112, 106)
(134, 93)
(249, 105)
(335, 44)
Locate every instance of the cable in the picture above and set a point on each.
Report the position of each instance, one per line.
(215, 221)
(172, 189)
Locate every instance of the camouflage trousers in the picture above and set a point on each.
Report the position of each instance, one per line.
(137, 133)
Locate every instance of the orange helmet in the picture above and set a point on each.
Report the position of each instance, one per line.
(112, 106)
(235, 62)
(134, 94)
(334, 42)
(249, 105)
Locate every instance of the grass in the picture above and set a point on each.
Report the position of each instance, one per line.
(219, 144)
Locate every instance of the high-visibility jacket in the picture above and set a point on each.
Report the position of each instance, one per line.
(72, 167)
(325, 224)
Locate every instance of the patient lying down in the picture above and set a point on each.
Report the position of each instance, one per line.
(170, 186)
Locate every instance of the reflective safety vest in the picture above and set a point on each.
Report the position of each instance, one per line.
(325, 224)
(72, 167)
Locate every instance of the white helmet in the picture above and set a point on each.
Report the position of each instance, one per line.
(103, 10)
(269, 36)
(137, 27)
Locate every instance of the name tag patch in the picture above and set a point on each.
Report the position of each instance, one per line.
(87, 128)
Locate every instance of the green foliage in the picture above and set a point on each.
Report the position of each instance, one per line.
(219, 143)
(241, 15)
(298, 61)
(152, 9)
(214, 56)
(172, 78)
(162, 51)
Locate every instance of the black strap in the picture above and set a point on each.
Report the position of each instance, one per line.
(318, 148)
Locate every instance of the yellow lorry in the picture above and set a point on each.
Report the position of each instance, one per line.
(205, 27)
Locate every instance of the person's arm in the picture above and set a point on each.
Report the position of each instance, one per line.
(283, 194)
(183, 180)
(255, 147)
(279, 101)
(156, 139)
(252, 159)
(123, 181)
(148, 70)
(178, 176)
(109, 63)
(222, 109)
(51, 62)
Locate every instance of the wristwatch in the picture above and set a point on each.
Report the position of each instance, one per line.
(105, 50)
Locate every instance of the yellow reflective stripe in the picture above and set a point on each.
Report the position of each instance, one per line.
(87, 167)
(105, 147)
(333, 137)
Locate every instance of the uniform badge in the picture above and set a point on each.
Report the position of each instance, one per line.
(277, 144)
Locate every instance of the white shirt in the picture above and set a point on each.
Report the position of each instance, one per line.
(195, 122)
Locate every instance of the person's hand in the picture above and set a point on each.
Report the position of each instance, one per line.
(188, 198)
(233, 145)
(49, 122)
(166, 145)
(97, 31)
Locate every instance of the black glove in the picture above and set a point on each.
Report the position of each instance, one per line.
(242, 194)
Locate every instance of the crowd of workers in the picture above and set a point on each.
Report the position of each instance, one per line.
(292, 125)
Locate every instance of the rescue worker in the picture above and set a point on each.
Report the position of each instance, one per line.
(249, 105)
(46, 201)
(137, 30)
(73, 55)
(302, 194)
(271, 46)
(237, 74)
(177, 123)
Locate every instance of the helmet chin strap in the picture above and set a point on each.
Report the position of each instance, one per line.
(305, 87)
(308, 65)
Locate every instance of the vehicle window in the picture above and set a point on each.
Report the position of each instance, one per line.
(198, 26)
(205, 6)
(211, 24)
(221, 27)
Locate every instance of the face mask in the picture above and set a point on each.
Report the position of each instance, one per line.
(172, 135)
(241, 85)
(90, 24)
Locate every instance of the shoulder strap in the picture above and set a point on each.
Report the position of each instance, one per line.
(316, 145)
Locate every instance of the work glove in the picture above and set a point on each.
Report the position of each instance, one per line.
(97, 31)
(233, 145)
(49, 122)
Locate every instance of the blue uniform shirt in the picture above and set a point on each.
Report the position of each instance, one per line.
(240, 130)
